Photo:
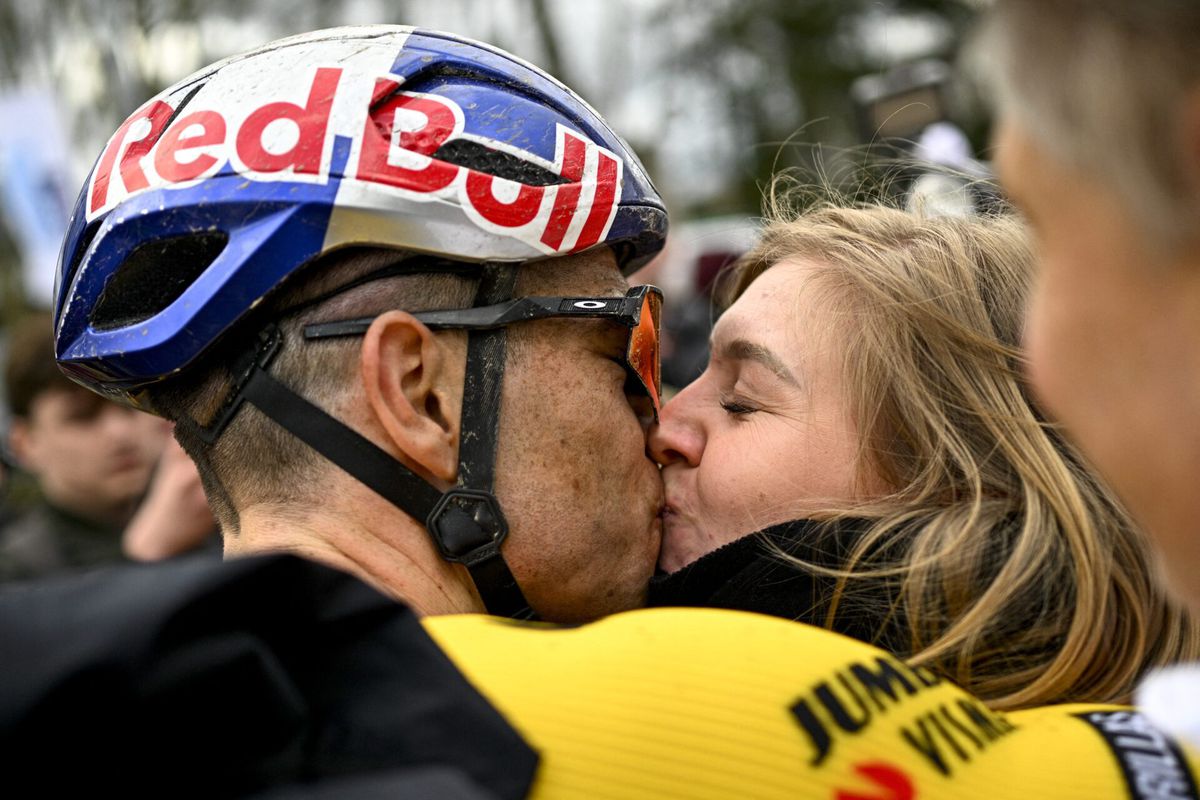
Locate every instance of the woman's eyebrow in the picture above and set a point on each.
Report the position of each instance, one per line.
(746, 350)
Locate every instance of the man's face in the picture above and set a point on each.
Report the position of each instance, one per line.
(1113, 339)
(90, 456)
(578, 489)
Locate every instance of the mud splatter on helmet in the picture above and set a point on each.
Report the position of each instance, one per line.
(218, 190)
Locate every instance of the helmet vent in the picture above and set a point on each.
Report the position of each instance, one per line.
(154, 276)
(473, 155)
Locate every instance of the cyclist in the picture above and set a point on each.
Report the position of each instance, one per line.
(374, 275)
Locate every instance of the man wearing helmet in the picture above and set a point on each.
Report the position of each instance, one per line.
(375, 276)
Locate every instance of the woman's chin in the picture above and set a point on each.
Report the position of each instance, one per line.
(681, 545)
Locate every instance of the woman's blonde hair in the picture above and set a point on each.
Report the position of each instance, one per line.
(1015, 572)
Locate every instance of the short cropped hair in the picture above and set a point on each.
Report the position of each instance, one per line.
(1099, 84)
(255, 461)
(1014, 570)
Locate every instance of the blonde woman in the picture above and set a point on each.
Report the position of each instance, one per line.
(865, 410)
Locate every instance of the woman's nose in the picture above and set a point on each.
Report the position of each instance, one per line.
(677, 437)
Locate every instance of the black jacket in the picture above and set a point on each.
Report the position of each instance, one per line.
(201, 678)
(47, 540)
(749, 574)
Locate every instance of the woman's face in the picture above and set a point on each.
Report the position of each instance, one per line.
(765, 435)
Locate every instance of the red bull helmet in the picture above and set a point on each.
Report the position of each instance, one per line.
(218, 190)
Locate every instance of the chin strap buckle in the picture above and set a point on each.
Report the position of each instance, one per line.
(467, 526)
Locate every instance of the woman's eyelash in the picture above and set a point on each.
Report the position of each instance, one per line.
(732, 406)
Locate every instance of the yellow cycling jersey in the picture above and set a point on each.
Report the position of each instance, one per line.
(708, 703)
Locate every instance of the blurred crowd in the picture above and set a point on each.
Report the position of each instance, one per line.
(87, 482)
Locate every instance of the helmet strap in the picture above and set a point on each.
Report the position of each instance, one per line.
(478, 435)
(466, 523)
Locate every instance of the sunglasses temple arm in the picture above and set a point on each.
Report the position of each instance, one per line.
(497, 316)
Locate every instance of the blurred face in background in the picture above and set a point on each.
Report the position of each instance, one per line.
(1113, 339)
(90, 456)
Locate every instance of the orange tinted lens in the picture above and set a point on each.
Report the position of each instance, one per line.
(643, 356)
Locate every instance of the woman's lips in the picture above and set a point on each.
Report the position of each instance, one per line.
(668, 516)
(667, 556)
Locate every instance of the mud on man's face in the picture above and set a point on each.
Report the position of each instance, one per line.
(580, 493)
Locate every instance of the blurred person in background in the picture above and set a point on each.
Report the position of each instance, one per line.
(865, 406)
(1098, 143)
(92, 461)
(173, 517)
(7, 468)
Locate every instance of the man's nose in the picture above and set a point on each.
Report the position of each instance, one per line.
(678, 436)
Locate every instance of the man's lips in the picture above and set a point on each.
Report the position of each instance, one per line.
(672, 521)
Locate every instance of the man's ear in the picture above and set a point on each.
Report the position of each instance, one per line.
(413, 383)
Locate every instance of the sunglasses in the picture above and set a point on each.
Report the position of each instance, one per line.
(640, 310)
